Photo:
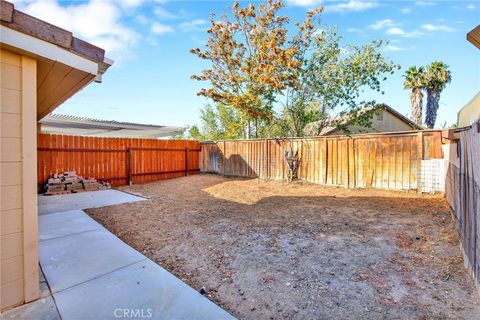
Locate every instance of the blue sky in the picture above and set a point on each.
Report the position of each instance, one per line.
(150, 41)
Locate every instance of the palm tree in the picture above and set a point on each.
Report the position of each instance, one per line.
(415, 81)
(437, 77)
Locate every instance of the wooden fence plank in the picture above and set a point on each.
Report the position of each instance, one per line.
(351, 163)
(107, 158)
(389, 161)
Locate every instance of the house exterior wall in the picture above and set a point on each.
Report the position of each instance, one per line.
(382, 122)
(470, 112)
(18, 206)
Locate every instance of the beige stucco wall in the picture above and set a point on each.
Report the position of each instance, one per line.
(470, 112)
(18, 206)
(385, 123)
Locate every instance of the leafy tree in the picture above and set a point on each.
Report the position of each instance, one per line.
(251, 59)
(194, 133)
(219, 123)
(210, 125)
(415, 81)
(295, 117)
(255, 64)
(333, 78)
(437, 76)
(230, 122)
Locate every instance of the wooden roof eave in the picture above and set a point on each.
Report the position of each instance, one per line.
(474, 36)
(29, 25)
(65, 64)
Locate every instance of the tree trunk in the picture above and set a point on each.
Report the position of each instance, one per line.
(416, 99)
(433, 99)
(293, 163)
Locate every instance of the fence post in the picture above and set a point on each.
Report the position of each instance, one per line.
(129, 166)
(186, 161)
(325, 178)
(269, 160)
(265, 159)
(224, 158)
(419, 160)
(350, 163)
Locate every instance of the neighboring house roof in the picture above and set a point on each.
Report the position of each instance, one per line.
(72, 125)
(474, 36)
(312, 127)
(65, 64)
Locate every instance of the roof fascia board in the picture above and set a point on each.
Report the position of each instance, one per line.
(47, 50)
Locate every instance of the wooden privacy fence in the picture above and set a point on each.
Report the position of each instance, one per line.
(463, 194)
(388, 161)
(117, 160)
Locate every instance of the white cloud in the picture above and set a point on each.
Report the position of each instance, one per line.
(381, 24)
(392, 48)
(433, 27)
(414, 34)
(141, 19)
(471, 7)
(395, 31)
(406, 10)
(352, 5)
(164, 14)
(95, 21)
(304, 3)
(194, 25)
(355, 30)
(130, 3)
(159, 28)
(424, 3)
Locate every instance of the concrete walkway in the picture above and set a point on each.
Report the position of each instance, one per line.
(94, 275)
(84, 200)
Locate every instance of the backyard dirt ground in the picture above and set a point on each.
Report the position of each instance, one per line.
(267, 250)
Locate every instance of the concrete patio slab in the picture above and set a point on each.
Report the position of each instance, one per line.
(65, 223)
(41, 309)
(94, 275)
(71, 260)
(142, 288)
(84, 200)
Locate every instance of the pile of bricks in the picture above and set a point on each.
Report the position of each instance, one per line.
(69, 182)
